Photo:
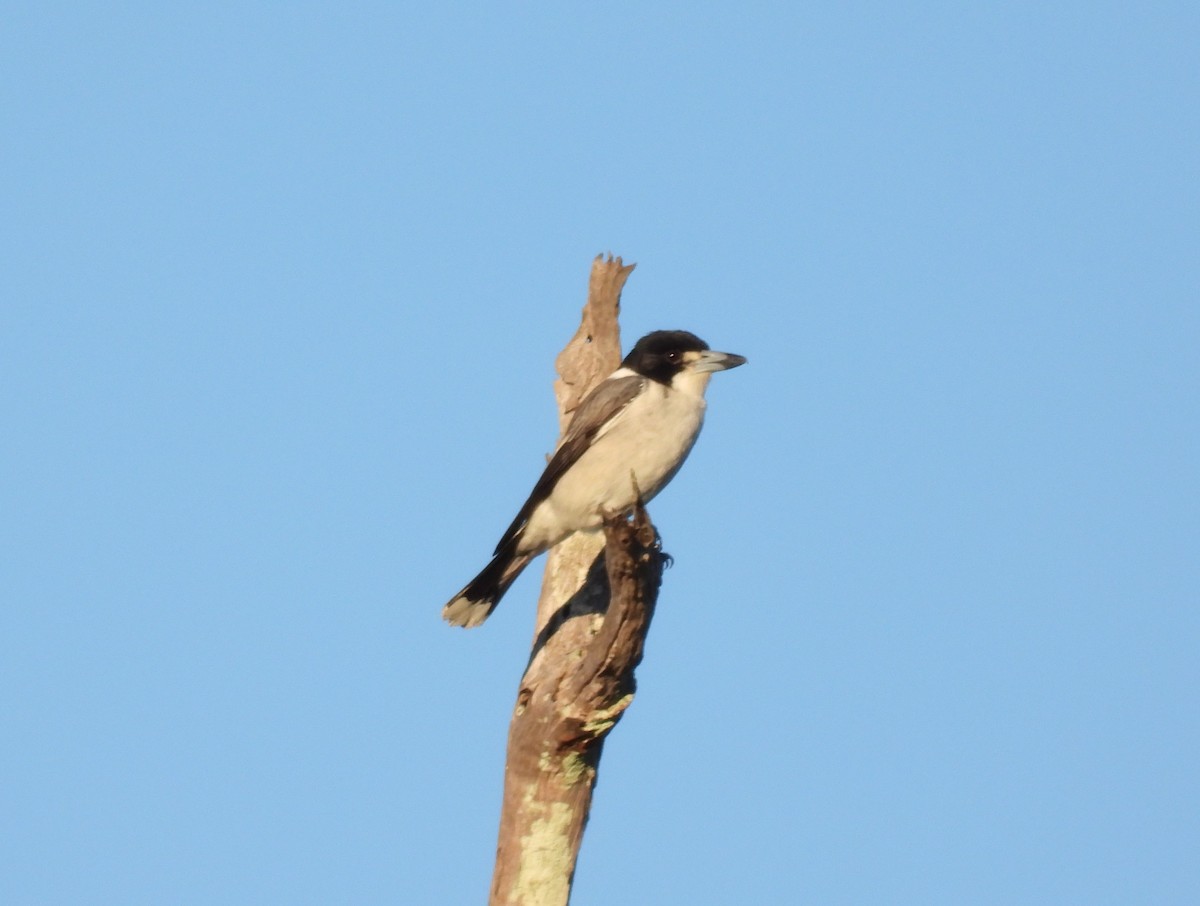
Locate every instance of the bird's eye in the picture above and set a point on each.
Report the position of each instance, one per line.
(673, 356)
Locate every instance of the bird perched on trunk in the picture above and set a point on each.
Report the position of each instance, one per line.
(627, 439)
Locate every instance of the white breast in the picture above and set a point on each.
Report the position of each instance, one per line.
(647, 442)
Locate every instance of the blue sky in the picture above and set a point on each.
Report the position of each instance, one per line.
(281, 291)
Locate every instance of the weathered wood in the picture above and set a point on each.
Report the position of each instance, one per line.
(597, 599)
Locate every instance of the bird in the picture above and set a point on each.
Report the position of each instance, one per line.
(625, 441)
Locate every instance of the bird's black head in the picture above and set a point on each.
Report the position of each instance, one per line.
(667, 355)
(663, 354)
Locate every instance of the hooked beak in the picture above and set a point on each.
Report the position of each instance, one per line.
(717, 361)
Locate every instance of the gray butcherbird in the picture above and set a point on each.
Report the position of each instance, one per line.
(630, 434)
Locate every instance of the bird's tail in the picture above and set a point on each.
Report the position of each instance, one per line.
(475, 603)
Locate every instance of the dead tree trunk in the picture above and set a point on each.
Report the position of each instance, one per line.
(597, 599)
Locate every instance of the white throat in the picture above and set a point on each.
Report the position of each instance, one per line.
(691, 382)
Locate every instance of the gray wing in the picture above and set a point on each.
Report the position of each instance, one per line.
(597, 410)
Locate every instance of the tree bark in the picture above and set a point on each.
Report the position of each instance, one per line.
(597, 600)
